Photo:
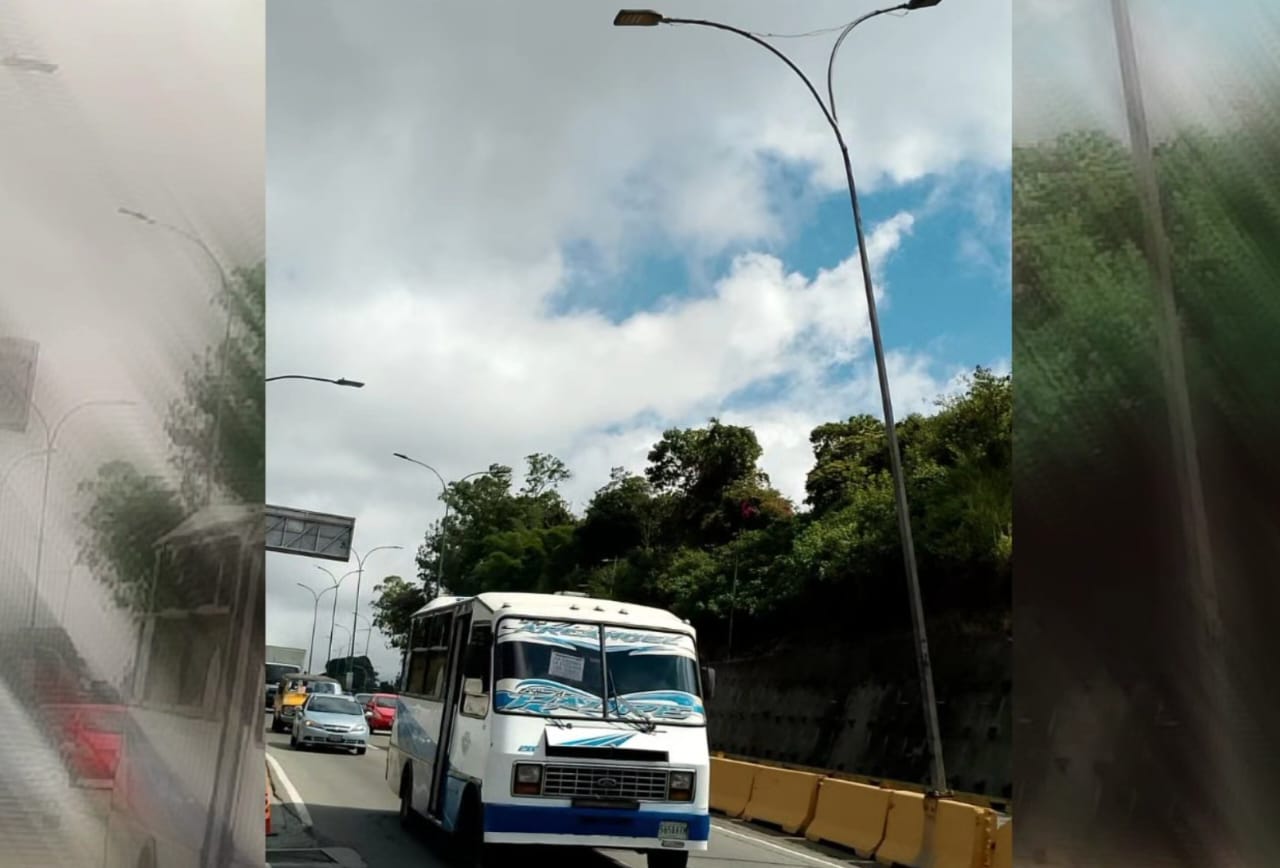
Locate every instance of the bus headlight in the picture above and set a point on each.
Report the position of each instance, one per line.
(527, 780)
(680, 786)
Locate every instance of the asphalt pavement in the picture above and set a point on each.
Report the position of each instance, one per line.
(340, 802)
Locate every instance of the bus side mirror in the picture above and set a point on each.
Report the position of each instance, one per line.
(709, 682)
(473, 687)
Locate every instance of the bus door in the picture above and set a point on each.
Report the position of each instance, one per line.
(453, 687)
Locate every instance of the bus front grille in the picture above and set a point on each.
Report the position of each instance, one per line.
(579, 782)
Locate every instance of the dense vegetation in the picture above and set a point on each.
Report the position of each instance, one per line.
(223, 403)
(704, 512)
(1111, 610)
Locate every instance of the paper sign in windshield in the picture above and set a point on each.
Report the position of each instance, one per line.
(565, 666)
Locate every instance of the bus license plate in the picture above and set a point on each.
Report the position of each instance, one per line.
(673, 831)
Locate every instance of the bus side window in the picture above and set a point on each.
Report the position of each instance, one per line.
(475, 668)
(478, 655)
(416, 681)
(437, 654)
(416, 677)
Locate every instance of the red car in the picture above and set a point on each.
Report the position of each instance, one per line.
(380, 711)
(91, 736)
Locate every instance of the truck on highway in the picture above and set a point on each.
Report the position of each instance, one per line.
(281, 661)
(542, 719)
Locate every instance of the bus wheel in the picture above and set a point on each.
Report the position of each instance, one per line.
(408, 818)
(468, 840)
(668, 858)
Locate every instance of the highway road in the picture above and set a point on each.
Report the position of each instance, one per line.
(351, 807)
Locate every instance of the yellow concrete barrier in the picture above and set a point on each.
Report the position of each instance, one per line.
(850, 815)
(956, 835)
(783, 797)
(903, 842)
(1002, 846)
(731, 783)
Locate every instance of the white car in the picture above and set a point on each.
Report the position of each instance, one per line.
(330, 722)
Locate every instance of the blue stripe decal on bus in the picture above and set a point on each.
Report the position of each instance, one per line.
(540, 820)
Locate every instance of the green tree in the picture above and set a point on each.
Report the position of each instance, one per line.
(495, 538)
(394, 603)
(704, 513)
(623, 515)
(710, 473)
(222, 410)
(128, 512)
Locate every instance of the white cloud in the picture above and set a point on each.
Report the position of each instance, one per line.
(429, 167)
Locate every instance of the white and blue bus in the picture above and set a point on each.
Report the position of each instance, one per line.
(545, 719)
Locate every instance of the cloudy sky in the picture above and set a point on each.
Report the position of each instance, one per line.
(537, 232)
(1200, 63)
(154, 106)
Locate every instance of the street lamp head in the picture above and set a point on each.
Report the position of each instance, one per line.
(922, 4)
(136, 215)
(401, 455)
(640, 18)
(343, 381)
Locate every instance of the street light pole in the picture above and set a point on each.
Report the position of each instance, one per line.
(333, 620)
(225, 282)
(51, 442)
(315, 615)
(13, 465)
(368, 632)
(444, 522)
(1220, 756)
(647, 18)
(341, 381)
(351, 657)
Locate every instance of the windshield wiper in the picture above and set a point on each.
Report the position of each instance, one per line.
(644, 724)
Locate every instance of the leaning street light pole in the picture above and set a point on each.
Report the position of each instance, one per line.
(368, 632)
(444, 522)
(341, 381)
(225, 282)
(1201, 571)
(351, 657)
(649, 18)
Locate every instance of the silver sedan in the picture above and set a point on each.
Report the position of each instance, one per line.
(330, 722)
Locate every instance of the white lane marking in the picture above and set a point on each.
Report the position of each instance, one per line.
(295, 800)
(790, 851)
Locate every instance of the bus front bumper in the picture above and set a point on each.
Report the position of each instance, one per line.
(593, 827)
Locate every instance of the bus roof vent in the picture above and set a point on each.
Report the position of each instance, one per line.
(570, 594)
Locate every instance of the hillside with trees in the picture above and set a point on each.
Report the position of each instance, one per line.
(703, 532)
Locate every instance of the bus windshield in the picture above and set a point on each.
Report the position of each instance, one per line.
(555, 669)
